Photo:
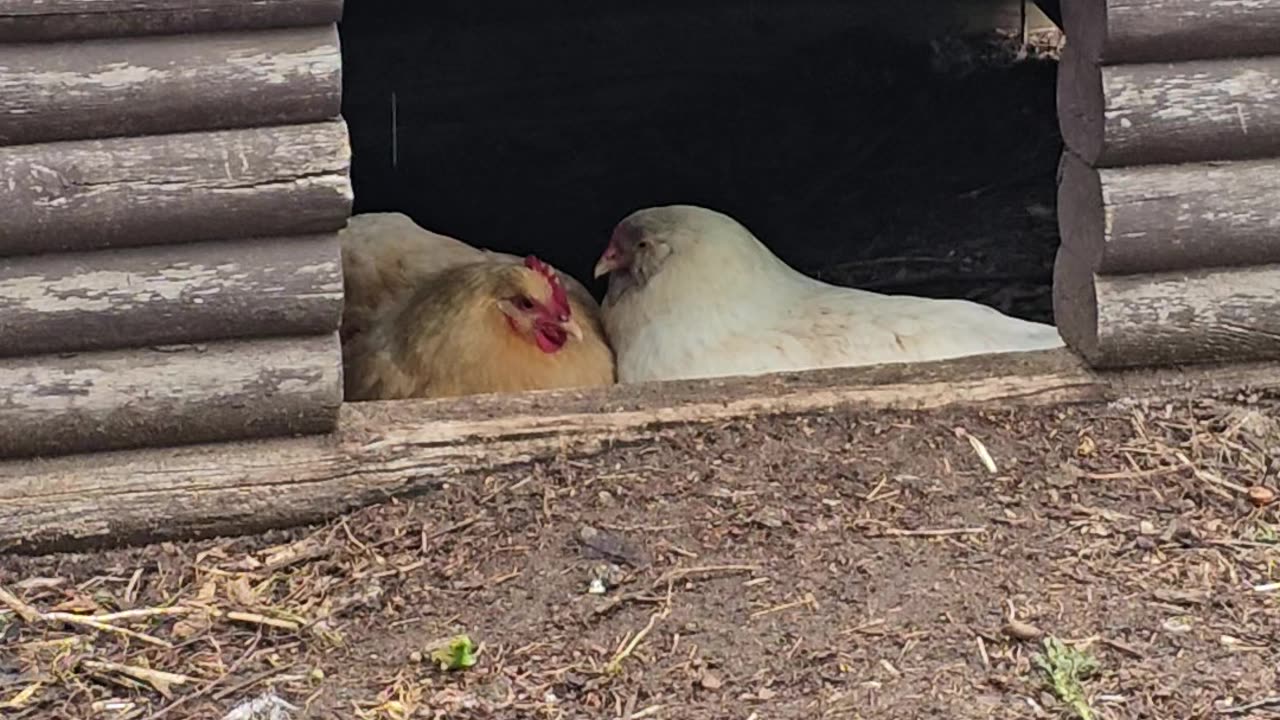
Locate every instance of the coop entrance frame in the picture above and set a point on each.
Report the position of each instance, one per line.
(176, 171)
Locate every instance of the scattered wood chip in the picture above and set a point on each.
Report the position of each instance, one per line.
(1248, 707)
(1261, 496)
(981, 450)
(1181, 597)
(1020, 630)
(938, 532)
(611, 546)
(710, 681)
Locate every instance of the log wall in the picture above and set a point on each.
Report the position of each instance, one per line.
(401, 448)
(44, 20)
(174, 173)
(1169, 190)
(137, 86)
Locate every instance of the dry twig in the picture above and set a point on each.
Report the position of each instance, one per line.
(157, 679)
(26, 612)
(940, 532)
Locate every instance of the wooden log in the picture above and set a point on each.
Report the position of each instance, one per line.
(382, 450)
(51, 404)
(1196, 316)
(162, 189)
(143, 86)
(1137, 31)
(44, 20)
(1155, 218)
(1193, 111)
(105, 299)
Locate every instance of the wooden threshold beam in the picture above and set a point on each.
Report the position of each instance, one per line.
(386, 449)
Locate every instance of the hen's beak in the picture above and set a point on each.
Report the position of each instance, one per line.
(571, 326)
(611, 260)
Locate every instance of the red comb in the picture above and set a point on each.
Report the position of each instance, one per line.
(558, 296)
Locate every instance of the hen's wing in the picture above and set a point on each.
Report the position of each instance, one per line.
(848, 326)
(817, 327)
(385, 254)
(370, 373)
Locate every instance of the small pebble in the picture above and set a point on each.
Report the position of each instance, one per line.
(710, 681)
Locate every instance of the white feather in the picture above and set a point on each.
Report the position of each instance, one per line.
(721, 304)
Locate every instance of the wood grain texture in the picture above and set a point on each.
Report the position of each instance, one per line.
(383, 450)
(1155, 218)
(186, 187)
(1193, 111)
(151, 397)
(192, 292)
(1136, 31)
(44, 20)
(142, 86)
(1196, 316)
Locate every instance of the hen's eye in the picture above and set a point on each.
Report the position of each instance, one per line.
(524, 303)
(643, 244)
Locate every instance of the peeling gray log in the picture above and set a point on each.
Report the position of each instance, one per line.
(1194, 111)
(143, 86)
(387, 449)
(1135, 31)
(163, 189)
(1156, 218)
(382, 449)
(1211, 315)
(43, 20)
(106, 299)
(52, 405)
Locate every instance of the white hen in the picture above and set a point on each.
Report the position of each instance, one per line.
(693, 294)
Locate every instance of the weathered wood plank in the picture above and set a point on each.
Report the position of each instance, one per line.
(51, 404)
(161, 189)
(1155, 218)
(43, 20)
(142, 86)
(1135, 31)
(166, 294)
(1209, 315)
(381, 450)
(1193, 111)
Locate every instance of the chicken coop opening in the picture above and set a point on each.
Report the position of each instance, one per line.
(899, 147)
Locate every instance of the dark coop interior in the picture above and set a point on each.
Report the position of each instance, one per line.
(902, 147)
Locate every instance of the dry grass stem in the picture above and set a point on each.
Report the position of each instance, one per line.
(160, 680)
(26, 612)
(939, 532)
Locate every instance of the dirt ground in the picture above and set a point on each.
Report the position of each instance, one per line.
(850, 565)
